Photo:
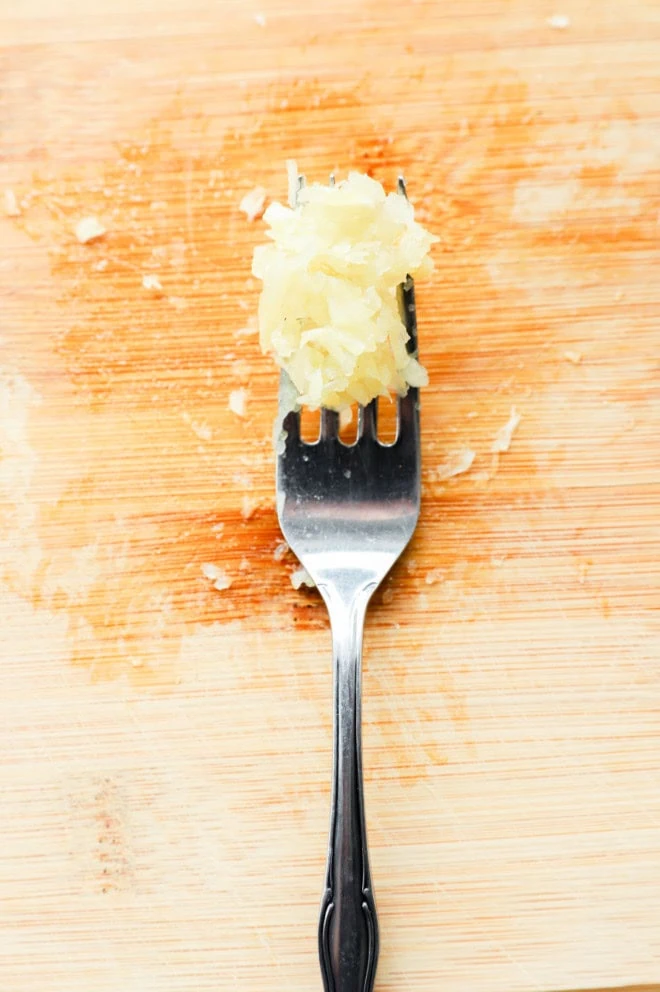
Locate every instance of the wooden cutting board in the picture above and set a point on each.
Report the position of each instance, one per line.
(166, 746)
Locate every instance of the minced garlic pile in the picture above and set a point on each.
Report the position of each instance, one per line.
(328, 311)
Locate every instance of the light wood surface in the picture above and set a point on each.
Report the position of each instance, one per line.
(166, 747)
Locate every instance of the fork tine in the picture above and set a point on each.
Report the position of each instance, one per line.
(294, 194)
(408, 413)
(407, 293)
(408, 405)
(329, 424)
(408, 311)
(367, 425)
(291, 424)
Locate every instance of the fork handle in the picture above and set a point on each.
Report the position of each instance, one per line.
(348, 926)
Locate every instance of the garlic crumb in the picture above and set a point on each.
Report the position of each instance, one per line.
(457, 463)
(249, 330)
(301, 577)
(203, 431)
(238, 402)
(249, 506)
(573, 356)
(217, 575)
(89, 229)
(253, 203)
(12, 208)
(502, 441)
(150, 281)
(559, 22)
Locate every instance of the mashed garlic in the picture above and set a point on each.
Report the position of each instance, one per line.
(328, 311)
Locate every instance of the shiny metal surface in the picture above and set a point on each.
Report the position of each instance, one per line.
(348, 512)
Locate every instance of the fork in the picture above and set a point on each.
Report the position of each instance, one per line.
(347, 512)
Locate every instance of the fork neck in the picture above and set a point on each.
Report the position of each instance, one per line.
(346, 580)
(347, 607)
(347, 593)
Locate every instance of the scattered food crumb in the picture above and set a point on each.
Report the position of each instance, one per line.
(249, 329)
(280, 551)
(260, 20)
(388, 596)
(503, 437)
(497, 562)
(217, 575)
(241, 369)
(150, 281)
(238, 402)
(218, 529)
(249, 506)
(457, 463)
(12, 208)
(435, 575)
(253, 203)
(472, 414)
(89, 229)
(301, 577)
(559, 22)
(203, 431)
(101, 265)
(573, 356)
(178, 302)
(244, 565)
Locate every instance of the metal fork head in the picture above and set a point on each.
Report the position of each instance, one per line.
(351, 507)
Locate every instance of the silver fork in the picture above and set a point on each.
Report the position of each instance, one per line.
(348, 511)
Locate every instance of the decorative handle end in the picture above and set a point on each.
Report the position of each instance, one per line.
(348, 956)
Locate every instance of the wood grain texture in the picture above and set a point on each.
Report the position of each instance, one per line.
(166, 747)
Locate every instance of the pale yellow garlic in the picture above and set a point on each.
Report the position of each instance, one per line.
(328, 311)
